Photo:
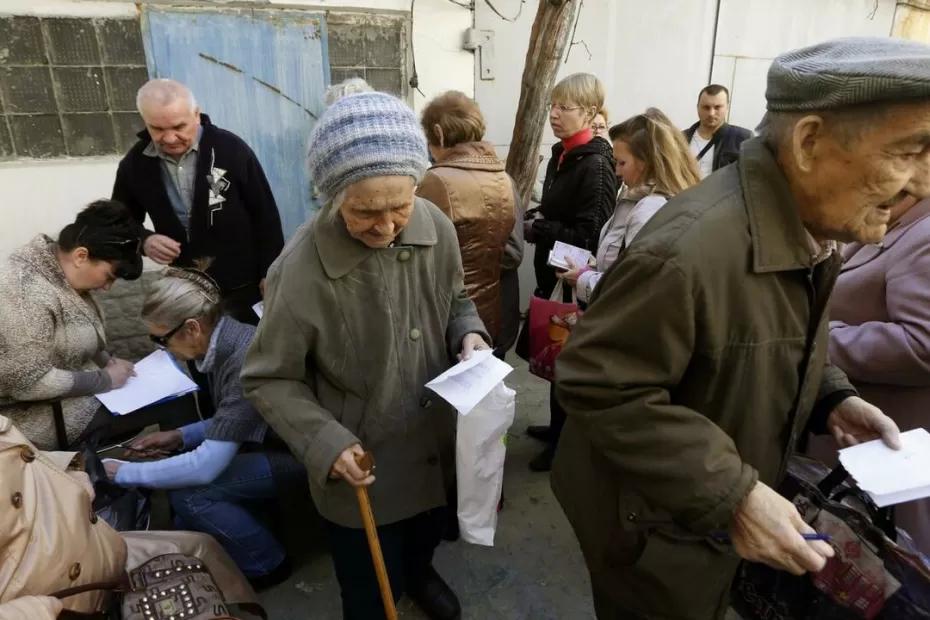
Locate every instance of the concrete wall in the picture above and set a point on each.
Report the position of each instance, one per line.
(41, 196)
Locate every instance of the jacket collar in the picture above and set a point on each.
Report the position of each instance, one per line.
(857, 254)
(779, 239)
(217, 342)
(472, 156)
(41, 255)
(340, 253)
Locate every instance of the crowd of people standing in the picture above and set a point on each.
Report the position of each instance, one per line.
(706, 354)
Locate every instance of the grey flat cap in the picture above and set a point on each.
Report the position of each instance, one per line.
(846, 72)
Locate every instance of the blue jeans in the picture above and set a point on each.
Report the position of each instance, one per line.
(219, 509)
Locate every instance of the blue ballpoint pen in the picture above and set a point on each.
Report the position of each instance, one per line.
(725, 538)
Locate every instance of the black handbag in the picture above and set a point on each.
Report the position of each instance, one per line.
(871, 576)
(123, 509)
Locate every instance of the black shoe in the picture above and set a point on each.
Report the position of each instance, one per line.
(279, 574)
(543, 460)
(542, 432)
(435, 597)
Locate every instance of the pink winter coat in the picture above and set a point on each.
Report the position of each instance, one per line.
(880, 333)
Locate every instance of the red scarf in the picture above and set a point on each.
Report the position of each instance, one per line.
(582, 137)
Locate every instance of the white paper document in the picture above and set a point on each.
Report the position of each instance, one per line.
(465, 384)
(562, 251)
(891, 476)
(259, 309)
(157, 378)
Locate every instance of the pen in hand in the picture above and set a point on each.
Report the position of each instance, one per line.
(725, 537)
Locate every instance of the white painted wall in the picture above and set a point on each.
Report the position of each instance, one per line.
(750, 33)
(42, 196)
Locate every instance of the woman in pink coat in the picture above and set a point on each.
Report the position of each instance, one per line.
(880, 333)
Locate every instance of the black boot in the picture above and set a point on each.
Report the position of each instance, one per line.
(543, 460)
(542, 432)
(434, 596)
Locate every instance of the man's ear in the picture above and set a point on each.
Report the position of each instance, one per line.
(806, 136)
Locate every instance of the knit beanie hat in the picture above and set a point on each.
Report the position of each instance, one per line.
(365, 135)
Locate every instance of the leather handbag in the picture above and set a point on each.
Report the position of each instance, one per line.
(167, 587)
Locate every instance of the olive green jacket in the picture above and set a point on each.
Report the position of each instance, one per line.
(692, 375)
(349, 337)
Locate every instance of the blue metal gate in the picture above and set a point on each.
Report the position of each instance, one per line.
(258, 73)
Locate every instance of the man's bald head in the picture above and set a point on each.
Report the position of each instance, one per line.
(161, 92)
(171, 115)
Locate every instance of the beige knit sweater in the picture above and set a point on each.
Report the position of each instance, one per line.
(48, 332)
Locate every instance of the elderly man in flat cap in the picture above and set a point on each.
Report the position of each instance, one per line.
(364, 306)
(702, 359)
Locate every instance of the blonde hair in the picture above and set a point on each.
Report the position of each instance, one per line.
(603, 112)
(457, 115)
(583, 89)
(654, 140)
(181, 294)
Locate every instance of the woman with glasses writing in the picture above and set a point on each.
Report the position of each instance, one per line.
(578, 197)
(52, 339)
(227, 461)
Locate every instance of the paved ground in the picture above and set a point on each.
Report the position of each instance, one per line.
(534, 572)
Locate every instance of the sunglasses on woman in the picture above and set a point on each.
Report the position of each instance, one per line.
(162, 340)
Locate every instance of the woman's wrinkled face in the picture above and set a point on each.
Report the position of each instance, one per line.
(376, 209)
(184, 341)
(629, 168)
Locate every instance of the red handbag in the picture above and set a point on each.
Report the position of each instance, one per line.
(548, 325)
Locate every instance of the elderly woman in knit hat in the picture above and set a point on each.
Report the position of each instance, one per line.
(364, 306)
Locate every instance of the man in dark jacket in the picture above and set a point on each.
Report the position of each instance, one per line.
(714, 142)
(206, 193)
(703, 357)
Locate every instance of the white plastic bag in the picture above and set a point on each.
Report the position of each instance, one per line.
(479, 463)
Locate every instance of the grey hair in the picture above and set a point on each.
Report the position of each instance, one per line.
(845, 124)
(351, 86)
(331, 209)
(181, 294)
(161, 92)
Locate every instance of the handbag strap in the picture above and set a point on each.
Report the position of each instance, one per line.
(558, 293)
(120, 585)
(61, 432)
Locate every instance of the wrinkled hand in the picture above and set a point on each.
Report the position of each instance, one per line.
(111, 467)
(854, 421)
(161, 249)
(157, 445)
(119, 370)
(767, 528)
(472, 343)
(572, 274)
(346, 468)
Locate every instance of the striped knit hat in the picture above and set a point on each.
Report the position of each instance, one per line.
(362, 136)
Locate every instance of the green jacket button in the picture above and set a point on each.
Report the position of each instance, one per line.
(404, 256)
(415, 334)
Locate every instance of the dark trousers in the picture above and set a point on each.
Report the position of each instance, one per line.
(556, 417)
(408, 548)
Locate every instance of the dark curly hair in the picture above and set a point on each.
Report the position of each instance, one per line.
(108, 231)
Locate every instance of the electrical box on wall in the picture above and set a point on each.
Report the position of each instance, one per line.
(481, 41)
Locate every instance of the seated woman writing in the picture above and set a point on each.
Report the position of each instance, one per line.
(227, 460)
(52, 340)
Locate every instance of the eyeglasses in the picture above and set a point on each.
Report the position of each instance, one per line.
(598, 127)
(162, 341)
(558, 107)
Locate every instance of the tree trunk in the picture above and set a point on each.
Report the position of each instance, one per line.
(548, 39)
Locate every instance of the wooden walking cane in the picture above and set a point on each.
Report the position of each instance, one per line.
(367, 463)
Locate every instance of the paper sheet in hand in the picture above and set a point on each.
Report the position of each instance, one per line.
(891, 476)
(157, 378)
(465, 384)
(259, 309)
(562, 251)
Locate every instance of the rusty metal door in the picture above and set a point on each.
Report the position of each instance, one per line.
(260, 73)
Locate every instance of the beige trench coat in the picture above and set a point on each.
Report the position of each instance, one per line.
(349, 338)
